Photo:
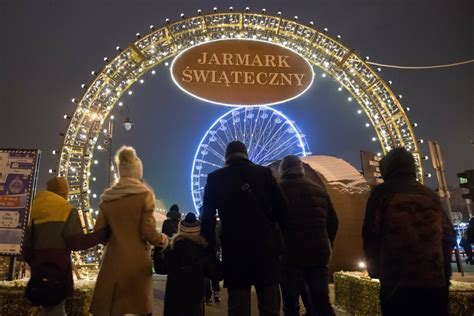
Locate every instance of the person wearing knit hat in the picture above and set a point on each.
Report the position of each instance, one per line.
(54, 230)
(127, 209)
(59, 186)
(309, 236)
(250, 205)
(187, 264)
(190, 225)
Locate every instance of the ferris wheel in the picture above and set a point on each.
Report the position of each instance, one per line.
(268, 134)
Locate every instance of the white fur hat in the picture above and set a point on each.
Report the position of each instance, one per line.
(128, 164)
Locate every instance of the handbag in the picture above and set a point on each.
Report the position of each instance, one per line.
(274, 225)
(47, 285)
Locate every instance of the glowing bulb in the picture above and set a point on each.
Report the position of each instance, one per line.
(130, 92)
(349, 99)
(142, 81)
(367, 124)
(96, 162)
(359, 111)
(339, 89)
(120, 103)
(112, 117)
(362, 264)
(323, 75)
(374, 139)
(153, 72)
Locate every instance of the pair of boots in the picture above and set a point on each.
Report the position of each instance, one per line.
(217, 299)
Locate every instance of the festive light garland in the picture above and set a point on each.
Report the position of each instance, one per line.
(382, 107)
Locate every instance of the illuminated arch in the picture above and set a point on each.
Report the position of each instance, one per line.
(374, 96)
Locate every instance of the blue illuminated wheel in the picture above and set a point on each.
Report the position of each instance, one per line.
(268, 134)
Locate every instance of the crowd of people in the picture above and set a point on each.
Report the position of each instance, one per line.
(253, 230)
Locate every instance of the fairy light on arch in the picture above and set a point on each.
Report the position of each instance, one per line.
(364, 84)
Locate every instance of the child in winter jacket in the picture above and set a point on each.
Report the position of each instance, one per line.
(187, 263)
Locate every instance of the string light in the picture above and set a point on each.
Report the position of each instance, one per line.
(254, 29)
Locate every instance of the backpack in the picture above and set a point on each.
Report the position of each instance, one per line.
(47, 285)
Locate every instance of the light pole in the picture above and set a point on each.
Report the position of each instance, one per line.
(107, 142)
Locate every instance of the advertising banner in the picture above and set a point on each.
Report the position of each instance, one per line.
(18, 175)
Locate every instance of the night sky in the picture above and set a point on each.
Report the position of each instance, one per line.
(50, 47)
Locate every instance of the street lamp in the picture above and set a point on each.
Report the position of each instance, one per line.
(127, 124)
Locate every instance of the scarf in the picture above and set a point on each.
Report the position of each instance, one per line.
(124, 187)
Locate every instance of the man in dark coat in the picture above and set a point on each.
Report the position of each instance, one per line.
(248, 199)
(408, 240)
(309, 235)
(170, 225)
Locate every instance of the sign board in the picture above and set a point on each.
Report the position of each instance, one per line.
(18, 175)
(240, 72)
(371, 167)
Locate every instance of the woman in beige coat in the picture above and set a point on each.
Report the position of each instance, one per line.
(124, 284)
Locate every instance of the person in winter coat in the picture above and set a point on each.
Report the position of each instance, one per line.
(54, 231)
(309, 235)
(187, 263)
(408, 240)
(170, 225)
(467, 240)
(248, 199)
(124, 284)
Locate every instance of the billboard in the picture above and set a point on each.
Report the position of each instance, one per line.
(18, 175)
(240, 72)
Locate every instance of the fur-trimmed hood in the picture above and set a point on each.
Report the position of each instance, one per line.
(197, 239)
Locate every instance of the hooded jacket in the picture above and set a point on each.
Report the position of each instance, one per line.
(170, 225)
(312, 222)
(55, 229)
(407, 235)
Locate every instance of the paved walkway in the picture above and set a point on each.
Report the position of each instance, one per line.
(217, 309)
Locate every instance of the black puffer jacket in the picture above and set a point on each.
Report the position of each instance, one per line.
(407, 236)
(312, 222)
